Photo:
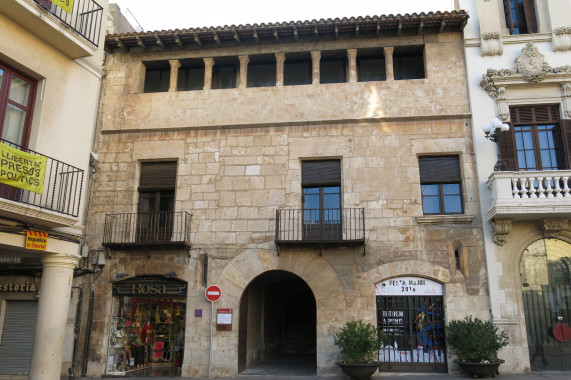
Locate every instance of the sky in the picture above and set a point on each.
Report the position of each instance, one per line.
(179, 14)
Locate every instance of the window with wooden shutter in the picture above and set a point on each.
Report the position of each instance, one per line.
(440, 181)
(537, 140)
(156, 201)
(520, 16)
(321, 183)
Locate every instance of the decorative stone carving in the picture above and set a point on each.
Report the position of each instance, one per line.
(502, 108)
(501, 230)
(562, 38)
(551, 227)
(531, 64)
(566, 90)
(491, 44)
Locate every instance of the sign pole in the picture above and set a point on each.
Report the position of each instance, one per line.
(211, 322)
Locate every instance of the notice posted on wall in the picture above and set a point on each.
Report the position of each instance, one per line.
(224, 320)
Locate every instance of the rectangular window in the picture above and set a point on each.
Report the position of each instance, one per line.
(225, 72)
(157, 76)
(297, 69)
(440, 182)
(17, 94)
(321, 186)
(371, 65)
(333, 67)
(520, 16)
(408, 62)
(156, 201)
(191, 75)
(535, 140)
(262, 71)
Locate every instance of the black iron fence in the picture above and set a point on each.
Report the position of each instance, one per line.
(339, 225)
(85, 18)
(147, 229)
(61, 191)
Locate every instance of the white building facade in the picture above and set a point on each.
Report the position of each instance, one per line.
(518, 55)
(50, 73)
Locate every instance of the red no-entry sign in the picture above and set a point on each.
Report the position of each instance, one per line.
(213, 293)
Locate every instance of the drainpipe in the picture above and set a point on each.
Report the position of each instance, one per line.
(89, 328)
(76, 331)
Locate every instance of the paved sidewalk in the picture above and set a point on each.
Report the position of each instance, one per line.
(382, 376)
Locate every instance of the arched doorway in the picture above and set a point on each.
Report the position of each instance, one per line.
(277, 331)
(546, 290)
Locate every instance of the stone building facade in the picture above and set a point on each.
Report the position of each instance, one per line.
(518, 58)
(317, 172)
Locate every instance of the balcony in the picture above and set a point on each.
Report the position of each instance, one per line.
(57, 206)
(76, 34)
(341, 227)
(530, 195)
(147, 230)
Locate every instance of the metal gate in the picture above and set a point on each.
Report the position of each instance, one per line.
(17, 337)
(414, 326)
(546, 292)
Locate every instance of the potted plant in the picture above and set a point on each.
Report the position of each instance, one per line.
(359, 343)
(476, 343)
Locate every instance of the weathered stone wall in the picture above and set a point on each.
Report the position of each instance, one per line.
(239, 156)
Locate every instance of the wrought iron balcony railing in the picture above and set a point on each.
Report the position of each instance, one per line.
(155, 229)
(85, 18)
(344, 226)
(62, 186)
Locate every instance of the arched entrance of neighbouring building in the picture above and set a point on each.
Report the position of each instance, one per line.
(277, 331)
(546, 289)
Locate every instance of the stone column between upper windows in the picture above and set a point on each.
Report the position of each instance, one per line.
(175, 65)
(352, 56)
(244, 60)
(208, 64)
(389, 68)
(280, 59)
(315, 58)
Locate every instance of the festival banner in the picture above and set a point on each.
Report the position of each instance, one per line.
(22, 170)
(66, 5)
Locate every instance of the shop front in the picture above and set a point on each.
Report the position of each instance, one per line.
(410, 310)
(18, 315)
(147, 325)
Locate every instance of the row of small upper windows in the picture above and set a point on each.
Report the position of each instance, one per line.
(371, 65)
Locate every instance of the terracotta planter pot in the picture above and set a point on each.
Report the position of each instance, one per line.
(359, 371)
(477, 370)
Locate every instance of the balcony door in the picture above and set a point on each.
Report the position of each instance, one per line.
(321, 183)
(156, 202)
(537, 140)
(16, 101)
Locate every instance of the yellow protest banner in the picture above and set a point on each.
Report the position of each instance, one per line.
(66, 5)
(22, 170)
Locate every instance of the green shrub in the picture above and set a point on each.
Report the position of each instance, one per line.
(359, 342)
(475, 340)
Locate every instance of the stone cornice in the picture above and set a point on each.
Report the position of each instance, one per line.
(292, 123)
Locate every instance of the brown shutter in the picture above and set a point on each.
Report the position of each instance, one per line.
(508, 14)
(506, 147)
(566, 133)
(158, 176)
(320, 173)
(439, 169)
(530, 18)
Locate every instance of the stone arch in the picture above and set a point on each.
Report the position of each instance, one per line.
(408, 268)
(312, 268)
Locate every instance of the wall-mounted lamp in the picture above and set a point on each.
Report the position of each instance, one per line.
(170, 274)
(119, 276)
(496, 131)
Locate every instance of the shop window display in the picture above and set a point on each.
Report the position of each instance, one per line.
(146, 331)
